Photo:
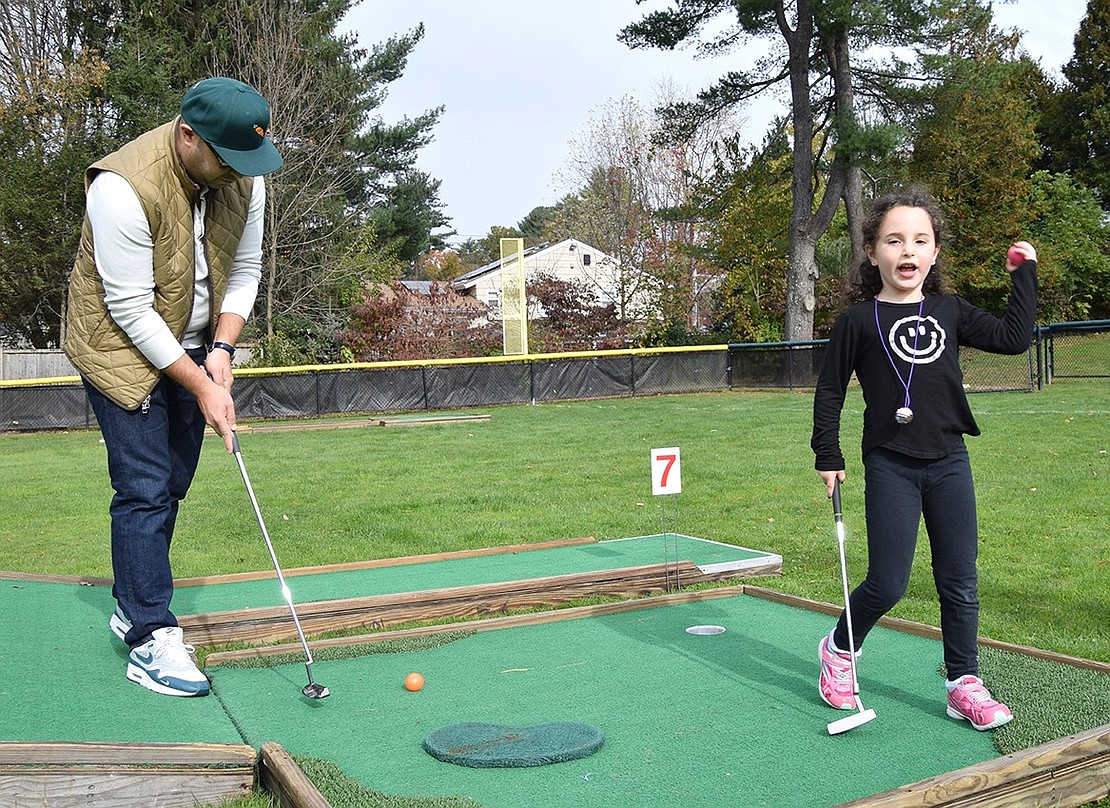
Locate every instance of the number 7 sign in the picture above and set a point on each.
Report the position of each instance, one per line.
(666, 471)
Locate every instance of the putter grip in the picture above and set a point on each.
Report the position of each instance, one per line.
(836, 498)
(234, 442)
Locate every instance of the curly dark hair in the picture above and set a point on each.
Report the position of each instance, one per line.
(868, 282)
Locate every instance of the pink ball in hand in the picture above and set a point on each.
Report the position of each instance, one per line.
(1016, 256)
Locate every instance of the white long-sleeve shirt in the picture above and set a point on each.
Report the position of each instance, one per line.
(123, 249)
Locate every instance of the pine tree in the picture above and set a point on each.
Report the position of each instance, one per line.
(1075, 128)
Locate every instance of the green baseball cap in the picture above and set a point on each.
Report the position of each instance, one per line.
(234, 120)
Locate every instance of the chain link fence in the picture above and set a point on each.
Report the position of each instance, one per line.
(1062, 350)
(1078, 350)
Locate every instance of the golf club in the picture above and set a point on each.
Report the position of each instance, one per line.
(312, 690)
(863, 716)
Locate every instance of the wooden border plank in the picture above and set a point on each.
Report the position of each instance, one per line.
(272, 624)
(118, 775)
(1064, 773)
(62, 753)
(283, 779)
(427, 420)
(485, 624)
(349, 423)
(931, 632)
(48, 578)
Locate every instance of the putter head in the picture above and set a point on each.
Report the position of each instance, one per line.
(851, 721)
(314, 690)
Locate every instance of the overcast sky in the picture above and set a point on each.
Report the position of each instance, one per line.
(519, 81)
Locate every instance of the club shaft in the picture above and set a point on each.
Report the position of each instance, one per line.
(285, 593)
(839, 518)
(848, 612)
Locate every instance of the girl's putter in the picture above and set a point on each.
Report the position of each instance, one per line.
(863, 716)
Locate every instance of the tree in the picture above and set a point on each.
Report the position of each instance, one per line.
(748, 204)
(48, 87)
(347, 173)
(565, 316)
(825, 75)
(974, 148)
(388, 322)
(1072, 237)
(438, 265)
(532, 226)
(79, 80)
(410, 213)
(633, 201)
(1076, 124)
(606, 214)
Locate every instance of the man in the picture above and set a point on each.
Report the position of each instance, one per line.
(165, 277)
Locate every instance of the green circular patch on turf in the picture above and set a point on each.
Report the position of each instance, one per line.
(490, 746)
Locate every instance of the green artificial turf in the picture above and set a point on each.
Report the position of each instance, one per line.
(687, 719)
(346, 792)
(1052, 700)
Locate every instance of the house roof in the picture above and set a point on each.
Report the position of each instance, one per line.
(468, 278)
(482, 270)
(420, 287)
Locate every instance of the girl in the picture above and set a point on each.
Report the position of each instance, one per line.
(902, 342)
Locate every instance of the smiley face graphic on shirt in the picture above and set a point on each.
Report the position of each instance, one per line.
(917, 340)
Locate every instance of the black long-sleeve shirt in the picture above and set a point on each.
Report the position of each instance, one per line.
(941, 413)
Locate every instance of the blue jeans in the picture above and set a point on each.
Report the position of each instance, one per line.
(152, 457)
(899, 491)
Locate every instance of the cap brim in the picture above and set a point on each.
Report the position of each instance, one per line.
(254, 163)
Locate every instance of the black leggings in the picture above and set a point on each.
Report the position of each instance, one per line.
(899, 490)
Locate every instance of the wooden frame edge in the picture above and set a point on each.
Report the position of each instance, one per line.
(931, 632)
(1065, 773)
(176, 775)
(281, 778)
(271, 625)
(484, 624)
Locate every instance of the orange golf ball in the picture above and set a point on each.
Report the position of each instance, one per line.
(413, 682)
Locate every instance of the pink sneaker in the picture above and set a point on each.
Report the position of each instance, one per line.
(972, 701)
(835, 682)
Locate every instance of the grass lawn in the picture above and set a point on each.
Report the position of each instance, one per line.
(534, 473)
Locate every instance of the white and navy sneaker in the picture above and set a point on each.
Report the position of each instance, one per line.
(164, 664)
(118, 623)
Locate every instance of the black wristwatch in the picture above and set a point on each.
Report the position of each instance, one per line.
(224, 347)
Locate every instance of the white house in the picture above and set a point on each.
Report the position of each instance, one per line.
(568, 260)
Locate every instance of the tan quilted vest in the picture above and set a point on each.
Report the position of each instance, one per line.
(99, 348)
